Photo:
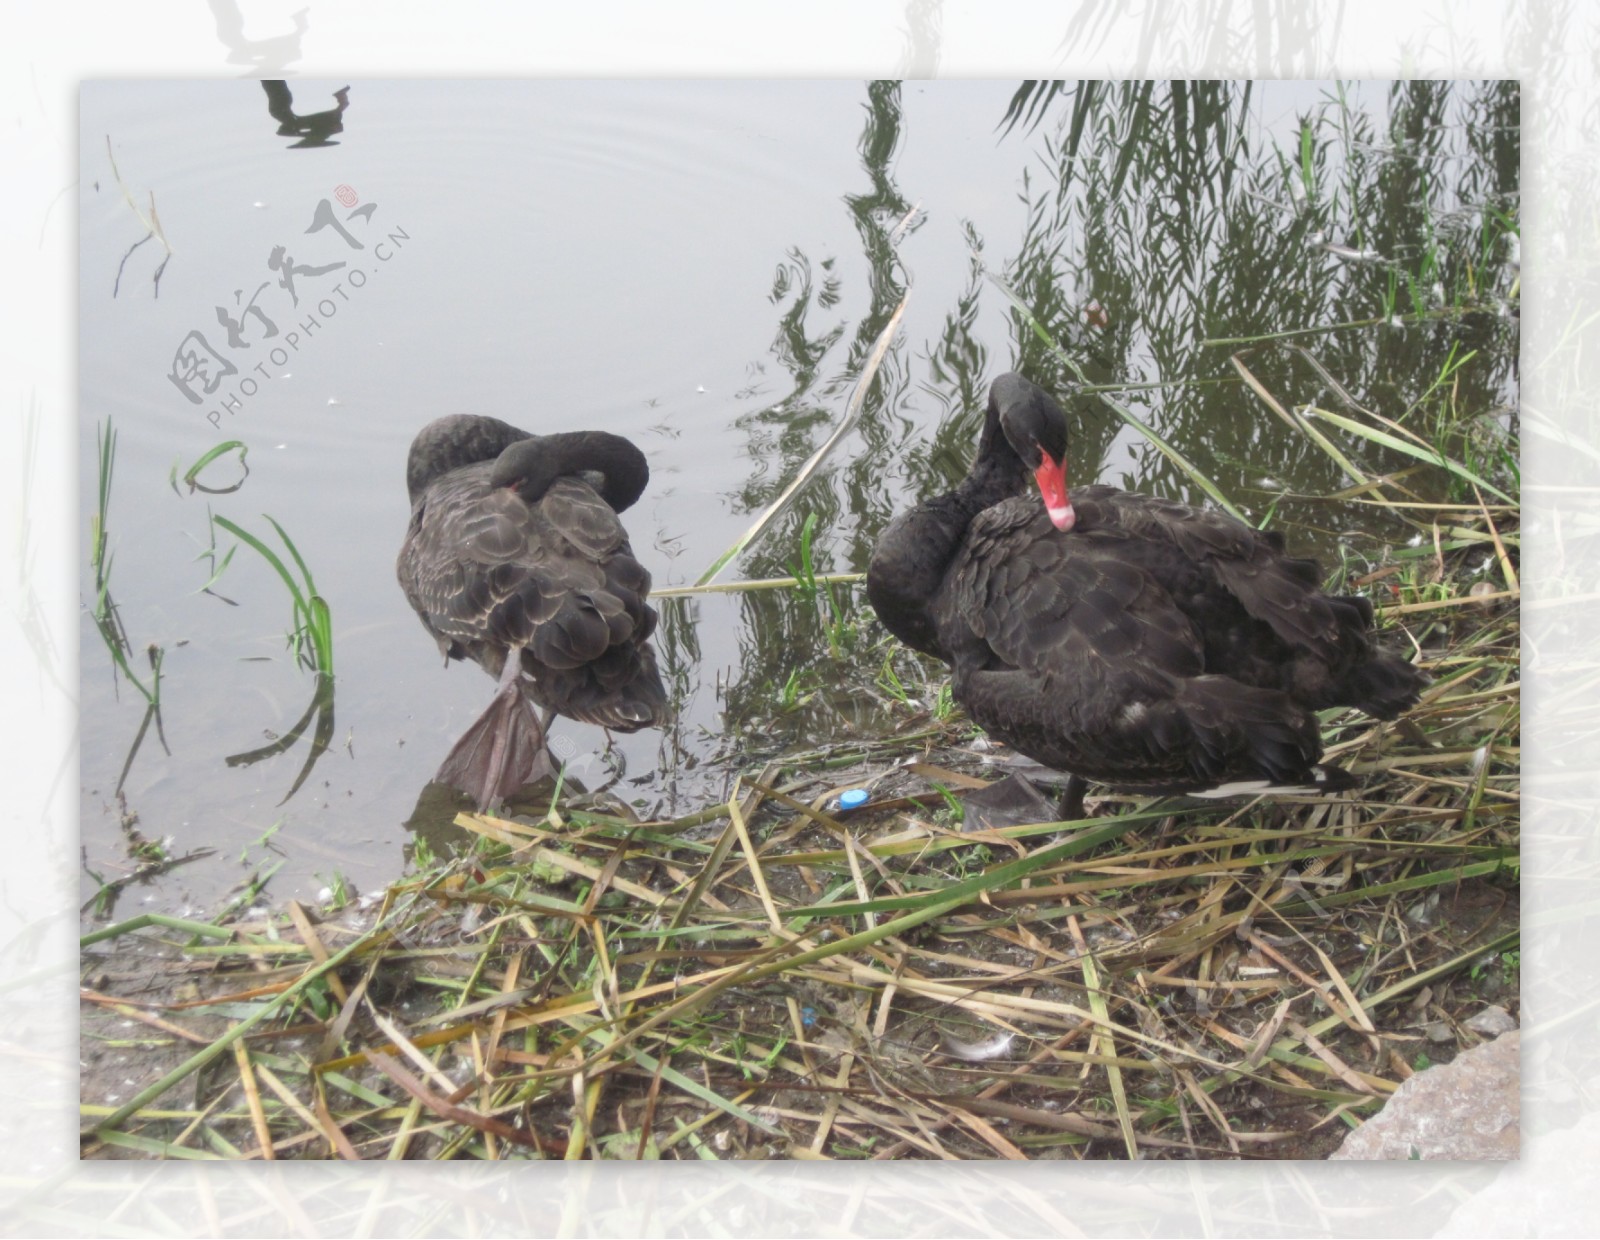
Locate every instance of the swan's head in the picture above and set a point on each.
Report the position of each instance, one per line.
(1036, 429)
(528, 467)
(609, 463)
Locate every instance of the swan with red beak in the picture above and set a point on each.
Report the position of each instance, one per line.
(1130, 639)
(1032, 424)
(1051, 476)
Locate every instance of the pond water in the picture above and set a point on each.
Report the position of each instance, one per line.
(703, 267)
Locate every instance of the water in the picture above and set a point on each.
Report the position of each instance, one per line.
(703, 267)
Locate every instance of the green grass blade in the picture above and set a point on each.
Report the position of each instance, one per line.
(193, 928)
(1295, 422)
(222, 449)
(220, 569)
(760, 583)
(156, 1149)
(991, 879)
(271, 557)
(322, 633)
(1401, 446)
(690, 1086)
(1102, 1012)
(1176, 457)
(305, 571)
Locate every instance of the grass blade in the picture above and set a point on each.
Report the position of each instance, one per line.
(1401, 446)
(760, 583)
(313, 620)
(271, 557)
(305, 571)
(191, 478)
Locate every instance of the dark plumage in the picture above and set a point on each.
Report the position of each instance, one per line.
(514, 558)
(1124, 638)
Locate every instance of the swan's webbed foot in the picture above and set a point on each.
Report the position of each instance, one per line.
(1017, 800)
(503, 750)
(1008, 802)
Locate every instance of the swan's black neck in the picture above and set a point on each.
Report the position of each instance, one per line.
(997, 474)
(909, 564)
(531, 465)
(529, 462)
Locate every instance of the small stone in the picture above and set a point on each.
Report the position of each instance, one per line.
(1492, 1021)
(1439, 1031)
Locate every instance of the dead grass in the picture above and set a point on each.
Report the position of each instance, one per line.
(774, 979)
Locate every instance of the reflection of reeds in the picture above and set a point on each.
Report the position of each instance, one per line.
(104, 611)
(1169, 229)
(321, 706)
(803, 476)
(311, 636)
(107, 622)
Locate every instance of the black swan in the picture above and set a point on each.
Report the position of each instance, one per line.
(1124, 638)
(514, 558)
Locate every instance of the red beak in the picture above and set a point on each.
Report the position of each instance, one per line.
(1052, 478)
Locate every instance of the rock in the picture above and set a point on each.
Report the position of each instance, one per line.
(1492, 1021)
(1439, 1031)
(1469, 1108)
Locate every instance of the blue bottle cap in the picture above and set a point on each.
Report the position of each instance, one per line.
(855, 798)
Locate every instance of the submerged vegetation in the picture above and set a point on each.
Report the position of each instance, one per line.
(1330, 348)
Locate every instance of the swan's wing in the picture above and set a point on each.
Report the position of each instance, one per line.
(1066, 603)
(1283, 592)
(488, 572)
(481, 569)
(1081, 657)
(1330, 655)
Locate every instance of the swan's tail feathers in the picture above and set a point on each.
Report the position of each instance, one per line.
(503, 749)
(621, 690)
(641, 705)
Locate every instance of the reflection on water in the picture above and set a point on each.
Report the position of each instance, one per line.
(320, 708)
(312, 128)
(1351, 248)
